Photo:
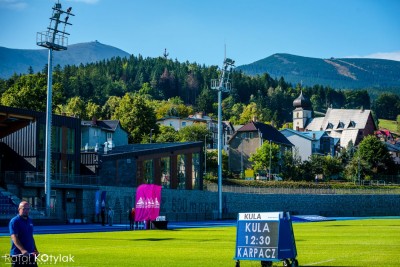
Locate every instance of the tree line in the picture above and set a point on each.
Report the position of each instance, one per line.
(160, 79)
(138, 91)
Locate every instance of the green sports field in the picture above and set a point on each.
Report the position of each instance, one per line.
(368, 242)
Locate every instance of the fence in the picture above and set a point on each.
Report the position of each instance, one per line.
(304, 191)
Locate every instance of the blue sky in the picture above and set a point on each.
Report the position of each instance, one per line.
(197, 30)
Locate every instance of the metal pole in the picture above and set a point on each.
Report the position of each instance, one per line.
(241, 158)
(47, 165)
(270, 156)
(358, 168)
(205, 155)
(219, 155)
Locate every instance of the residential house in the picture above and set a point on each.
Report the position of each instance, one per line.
(247, 139)
(97, 133)
(311, 142)
(394, 151)
(212, 126)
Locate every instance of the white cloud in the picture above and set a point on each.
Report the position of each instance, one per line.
(381, 55)
(13, 4)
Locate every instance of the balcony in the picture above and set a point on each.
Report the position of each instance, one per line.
(37, 179)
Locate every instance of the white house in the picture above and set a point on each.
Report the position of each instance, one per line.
(311, 142)
(96, 134)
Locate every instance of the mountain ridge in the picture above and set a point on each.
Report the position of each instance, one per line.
(19, 60)
(340, 73)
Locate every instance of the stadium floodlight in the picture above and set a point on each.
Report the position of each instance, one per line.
(221, 85)
(52, 39)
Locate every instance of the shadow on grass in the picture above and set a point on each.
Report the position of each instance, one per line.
(339, 225)
(124, 239)
(154, 239)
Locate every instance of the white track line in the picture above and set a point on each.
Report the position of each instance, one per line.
(315, 263)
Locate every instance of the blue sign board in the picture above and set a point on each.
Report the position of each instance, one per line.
(267, 237)
(257, 236)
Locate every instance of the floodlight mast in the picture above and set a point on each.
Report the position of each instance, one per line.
(222, 85)
(52, 39)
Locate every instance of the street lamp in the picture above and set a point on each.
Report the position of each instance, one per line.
(52, 39)
(221, 85)
(270, 157)
(205, 154)
(151, 134)
(354, 149)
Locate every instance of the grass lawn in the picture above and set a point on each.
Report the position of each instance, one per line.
(387, 124)
(369, 242)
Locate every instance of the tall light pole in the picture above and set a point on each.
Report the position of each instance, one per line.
(53, 39)
(222, 85)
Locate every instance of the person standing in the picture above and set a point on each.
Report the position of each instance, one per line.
(23, 247)
(103, 216)
(110, 216)
(133, 222)
(131, 219)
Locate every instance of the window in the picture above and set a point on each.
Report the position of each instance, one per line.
(70, 141)
(165, 172)
(340, 125)
(70, 167)
(56, 139)
(352, 124)
(41, 137)
(196, 171)
(181, 172)
(329, 126)
(148, 172)
(183, 123)
(109, 136)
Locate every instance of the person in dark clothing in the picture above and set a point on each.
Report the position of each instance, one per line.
(23, 247)
(103, 216)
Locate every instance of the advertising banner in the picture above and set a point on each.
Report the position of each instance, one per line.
(148, 200)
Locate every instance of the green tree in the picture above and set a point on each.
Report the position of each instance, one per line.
(376, 154)
(195, 132)
(76, 107)
(167, 134)
(249, 113)
(92, 110)
(357, 169)
(29, 92)
(290, 165)
(137, 117)
(109, 107)
(387, 106)
(264, 155)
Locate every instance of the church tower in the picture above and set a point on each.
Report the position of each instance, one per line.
(302, 113)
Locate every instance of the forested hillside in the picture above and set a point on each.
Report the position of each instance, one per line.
(341, 73)
(97, 89)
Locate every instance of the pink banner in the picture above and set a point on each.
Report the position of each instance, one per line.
(148, 200)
